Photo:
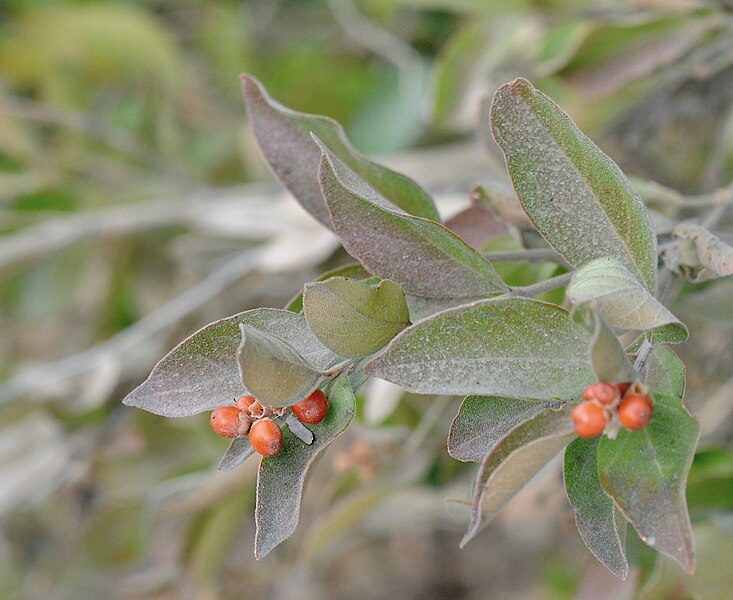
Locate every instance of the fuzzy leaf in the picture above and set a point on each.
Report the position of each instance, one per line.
(419, 254)
(665, 372)
(645, 472)
(239, 450)
(562, 178)
(201, 373)
(514, 461)
(352, 318)
(273, 370)
(284, 139)
(515, 347)
(482, 421)
(352, 270)
(599, 521)
(609, 359)
(715, 257)
(281, 478)
(622, 300)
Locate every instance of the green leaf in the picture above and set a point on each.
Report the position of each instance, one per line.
(352, 318)
(273, 370)
(281, 478)
(645, 472)
(202, 373)
(352, 270)
(239, 450)
(622, 300)
(284, 138)
(514, 461)
(608, 357)
(599, 521)
(514, 347)
(482, 421)
(665, 372)
(575, 195)
(419, 254)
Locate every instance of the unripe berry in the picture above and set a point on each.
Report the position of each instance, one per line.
(313, 409)
(266, 437)
(244, 402)
(227, 423)
(635, 412)
(603, 393)
(589, 419)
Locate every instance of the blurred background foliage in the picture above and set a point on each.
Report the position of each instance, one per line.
(134, 209)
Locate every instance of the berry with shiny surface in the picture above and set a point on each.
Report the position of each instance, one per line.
(589, 419)
(266, 437)
(313, 409)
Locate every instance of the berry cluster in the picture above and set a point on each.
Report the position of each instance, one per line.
(608, 406)
(247, 416)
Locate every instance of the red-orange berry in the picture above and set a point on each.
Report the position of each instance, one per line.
(635, 412)
(589, 419)
(244, 402)
(227, 423)
(266, 437)
(313, 409)
(603, 393)
(622, 387)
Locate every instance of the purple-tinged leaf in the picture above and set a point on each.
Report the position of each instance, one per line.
(419, 254)
(483, 421)
(645, 472)
(284, 138)
(281, 478)
(599, 521)
(610, 362)
(514, 347)
(562, 177)
(622, 299)
(273, 370)
(476, 225)
(239, 451)
(514, 461)
(201, 373)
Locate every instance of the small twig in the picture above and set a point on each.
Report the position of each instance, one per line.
(530, 291)
(48, 375)
(529, 255)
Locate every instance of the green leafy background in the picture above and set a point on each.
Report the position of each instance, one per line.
(136, 209)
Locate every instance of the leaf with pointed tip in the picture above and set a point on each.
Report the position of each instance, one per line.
(284, 139)
(201, 373)
(562, 177)
(515, 347)
(419, 254)
(714, 257)
(482, 422)
(599, 521)
(514, 461)
(352, 318)
(645, 472)
(622, 300)
(239, 450)
(665, 372)
(273, 370)
(608, 357)
(281, 478)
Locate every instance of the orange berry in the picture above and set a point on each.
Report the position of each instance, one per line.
(603, 393)
(622, 387)
(244, 402)
(313, 409)
(635, 412)
(227, 423)
(589, 419)
(266, 437)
